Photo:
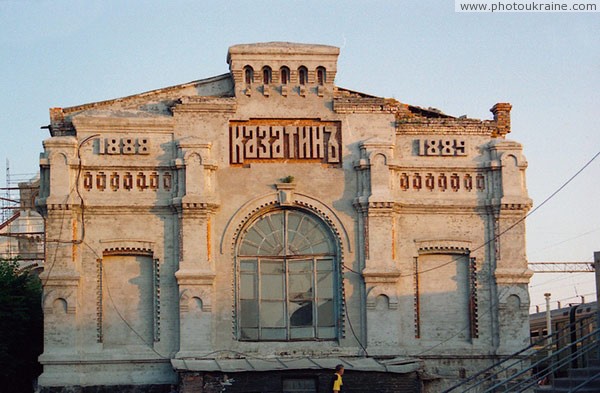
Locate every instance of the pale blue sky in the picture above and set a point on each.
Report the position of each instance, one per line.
(64, 53)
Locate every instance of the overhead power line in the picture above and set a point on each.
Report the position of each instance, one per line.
(561, 267)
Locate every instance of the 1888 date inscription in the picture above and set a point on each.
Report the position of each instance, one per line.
(275, 140)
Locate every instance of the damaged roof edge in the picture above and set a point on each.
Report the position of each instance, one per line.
(398, 366)
(90, 105)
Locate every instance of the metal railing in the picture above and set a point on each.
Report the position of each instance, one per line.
(545, 358)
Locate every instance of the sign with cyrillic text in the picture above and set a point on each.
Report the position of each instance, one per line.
(285, 140)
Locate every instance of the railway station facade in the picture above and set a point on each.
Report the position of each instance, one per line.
(249, 231)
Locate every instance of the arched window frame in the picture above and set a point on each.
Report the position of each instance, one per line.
(321, 76)
(248, 75)
(290, 262)
(267, 75)
(284, 75)
(302, 75)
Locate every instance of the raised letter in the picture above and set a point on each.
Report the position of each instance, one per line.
(317, 142)
(277, 142)
(333, 152)
(251, 150)
(263, 142)
(304, 142)
(290, 132)
(237, 145)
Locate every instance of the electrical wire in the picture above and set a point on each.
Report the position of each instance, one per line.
(505, 290)
(496, 237)
(81, 240)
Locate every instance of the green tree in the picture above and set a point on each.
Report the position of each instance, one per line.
(21, 327)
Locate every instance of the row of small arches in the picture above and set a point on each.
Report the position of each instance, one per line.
(284, 75)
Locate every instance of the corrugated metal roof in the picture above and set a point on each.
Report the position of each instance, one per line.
(396, 365)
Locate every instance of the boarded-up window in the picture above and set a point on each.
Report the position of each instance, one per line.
(127, 300)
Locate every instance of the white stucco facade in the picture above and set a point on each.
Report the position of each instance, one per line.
(166, 210)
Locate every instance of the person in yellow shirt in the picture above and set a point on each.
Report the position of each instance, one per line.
(337, 384)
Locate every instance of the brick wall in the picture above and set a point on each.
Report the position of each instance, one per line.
(107, 389)
(272, 382)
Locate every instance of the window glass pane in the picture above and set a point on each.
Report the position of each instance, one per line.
(325, 313)
(325, 285)
(324, 264)
(272, 287)
(271, 314)
(271, 267)
(273, 334)
(248, 247)
(300, 286)
(303, 332)
(248, 286)
(306, 235)
(248, 313)
(321, 246)
(249, 334)
(248, 265)
(326, 332)
(301, 313)
(300, 266)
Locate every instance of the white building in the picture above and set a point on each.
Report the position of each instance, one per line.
(249, 231)
(22, 227)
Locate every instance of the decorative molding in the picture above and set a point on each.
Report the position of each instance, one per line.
(473, 303)
(285, 193)
(270, 201)
(443, 246)
(186, 295)
(513, 275)
(416, 301)
(127, 247)
(382, 290)
(195, 277)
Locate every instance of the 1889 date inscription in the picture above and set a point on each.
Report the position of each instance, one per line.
(274, 140)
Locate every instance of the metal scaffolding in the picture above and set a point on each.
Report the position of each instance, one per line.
(561, 267)
(21, 226)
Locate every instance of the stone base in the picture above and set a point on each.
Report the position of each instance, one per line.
(107, 389)
(273, 381)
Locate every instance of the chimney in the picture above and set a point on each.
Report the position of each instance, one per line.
(501, 113)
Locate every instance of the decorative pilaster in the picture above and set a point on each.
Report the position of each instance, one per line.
(375, 205)
(195, 204)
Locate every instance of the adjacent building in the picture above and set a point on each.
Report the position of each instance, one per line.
(21, 226)
(249, 231)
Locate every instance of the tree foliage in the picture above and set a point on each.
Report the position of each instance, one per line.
(21, 327)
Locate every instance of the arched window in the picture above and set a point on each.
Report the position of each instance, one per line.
(302, 75)
(248, 75)
(321, 76)
(287, 279)
(267, 75)
(284, 73)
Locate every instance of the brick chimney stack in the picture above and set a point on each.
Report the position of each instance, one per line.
(501, 113)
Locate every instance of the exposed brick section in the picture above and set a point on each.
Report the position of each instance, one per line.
(501, 113)
(59, 126)
(108, 389)
(272, 382)
(442, 126)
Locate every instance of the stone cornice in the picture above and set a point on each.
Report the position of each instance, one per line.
(206, 105)
(195, 277)
(374, 276)
(514, 275)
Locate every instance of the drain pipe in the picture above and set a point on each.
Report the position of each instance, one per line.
(548, 318)
(549, 333)
(597, 272)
